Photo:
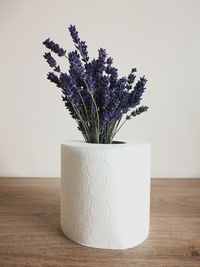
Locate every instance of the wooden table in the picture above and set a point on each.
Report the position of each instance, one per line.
(30, 234)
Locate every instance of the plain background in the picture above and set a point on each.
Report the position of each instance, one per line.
(160, 38)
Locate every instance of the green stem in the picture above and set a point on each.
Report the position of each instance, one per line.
(88, 119)
(84, 135)
(117, 130)
(97, 113)
(109, 131)
(83, 122)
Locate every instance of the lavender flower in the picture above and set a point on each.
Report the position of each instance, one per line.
(131, 79)
(57, 69)
(77, 70)
(136, 112)
(54, 47)
(80, 45)
(136, 94)
(109, 61)
(53, 78)
(132, 76)
(74, 34)
(51, 61)
(93, 93)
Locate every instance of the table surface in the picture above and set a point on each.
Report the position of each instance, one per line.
(30, 234)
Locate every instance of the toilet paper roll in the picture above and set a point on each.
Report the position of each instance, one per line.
(105, 193)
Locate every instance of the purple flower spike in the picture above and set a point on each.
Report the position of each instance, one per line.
(53, 78)
(136, 112)
(80, 45)
(74, 34)
(54, 47)
(51, 61)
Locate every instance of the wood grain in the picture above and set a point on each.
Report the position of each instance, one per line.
(30, 234)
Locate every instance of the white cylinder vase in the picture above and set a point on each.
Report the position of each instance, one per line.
(105, 193)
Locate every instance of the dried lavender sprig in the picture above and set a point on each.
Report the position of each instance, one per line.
(136, 112)
(54, 47)
(80, 45)
(131, 78)
(50, 60)
(53, 78)
(57, 68)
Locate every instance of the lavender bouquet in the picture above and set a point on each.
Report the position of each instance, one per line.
(92, 91)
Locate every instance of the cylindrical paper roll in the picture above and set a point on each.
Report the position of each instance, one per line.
(105, 193)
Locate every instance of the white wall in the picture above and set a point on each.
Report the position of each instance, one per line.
(160, 38)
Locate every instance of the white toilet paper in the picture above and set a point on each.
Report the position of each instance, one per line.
(105, 193)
